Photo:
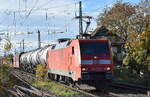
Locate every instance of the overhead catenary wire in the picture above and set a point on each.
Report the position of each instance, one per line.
(48, 8)
(28, 14)
(30, 11)
(33, 9)
(14, 13)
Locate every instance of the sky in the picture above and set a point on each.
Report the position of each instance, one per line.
(18, 18)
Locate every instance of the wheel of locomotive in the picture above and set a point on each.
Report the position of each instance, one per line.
(63, 79)
(66, 80)
(69, 81)
(76, 85)
(55, 77)
(58, 78)
(72, 83)
(49, 75)
(52, 76)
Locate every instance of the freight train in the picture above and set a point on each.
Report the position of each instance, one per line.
(73, 61)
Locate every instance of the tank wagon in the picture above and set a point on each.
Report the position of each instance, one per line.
(78, 61)
(28, 60)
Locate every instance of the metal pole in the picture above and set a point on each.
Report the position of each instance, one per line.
(15, 51)
(23, 45)
(39, 39)
(20, 46)
(80, 19)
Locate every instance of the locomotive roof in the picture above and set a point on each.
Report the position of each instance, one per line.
(68, 41)
(103, 39)
(62, 44)
(63, 39)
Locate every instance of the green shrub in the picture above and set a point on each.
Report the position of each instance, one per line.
(125, 75)
(4, 74)
(41, 72)
(6, 81)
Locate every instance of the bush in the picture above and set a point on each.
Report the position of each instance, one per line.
(4, 74)
(6, 81)
(125, 75)
(41, 72)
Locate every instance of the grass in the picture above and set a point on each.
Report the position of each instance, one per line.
(124, 75)
(4, 93)
(6, 81)
(57, 88)
(44, 83)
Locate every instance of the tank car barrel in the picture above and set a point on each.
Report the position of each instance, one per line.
(35, 57)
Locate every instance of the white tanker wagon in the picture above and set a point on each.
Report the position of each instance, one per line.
(29, 60)
(42, 55)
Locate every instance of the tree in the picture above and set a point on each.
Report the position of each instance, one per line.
(7, 45)
(138, 46)
(117, 18)
(131, 23)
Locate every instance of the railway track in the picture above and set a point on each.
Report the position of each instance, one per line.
(140, 89)
(95, 93)
(124, 90)
(129, 90)
(87, 93)
(26, 90)
(24, 77)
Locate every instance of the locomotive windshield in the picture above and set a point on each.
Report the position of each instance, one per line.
(94, 48)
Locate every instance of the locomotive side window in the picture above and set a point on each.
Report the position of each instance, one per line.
(94, 48)
(53, 47)
(72, 50)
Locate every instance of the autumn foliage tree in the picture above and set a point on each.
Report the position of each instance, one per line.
(41, 72)
(116, 18)
(130, 23)
(138, 46)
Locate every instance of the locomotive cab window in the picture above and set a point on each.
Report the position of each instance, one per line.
(72, 50)
(94, 48)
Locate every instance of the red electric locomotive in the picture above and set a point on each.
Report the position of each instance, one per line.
(81, 61)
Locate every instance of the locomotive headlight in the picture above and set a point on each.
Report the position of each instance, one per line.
(108, 68)
(84, 69)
